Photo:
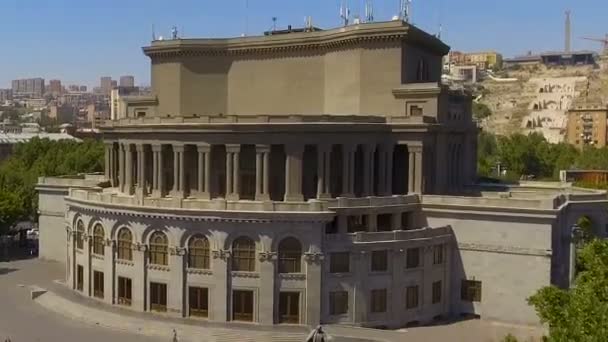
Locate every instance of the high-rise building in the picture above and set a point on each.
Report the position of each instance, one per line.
(127, 81)
(6, 95)
(105, 85)
(55, 87)
(33, 87)
(587, 125)
(114, 84)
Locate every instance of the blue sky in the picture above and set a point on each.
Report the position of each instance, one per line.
(78, 41)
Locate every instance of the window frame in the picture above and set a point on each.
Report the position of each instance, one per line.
(290, 256)
(199, 255)
(156, 294)
(378, 301)
(125, 293)
(243, 256)
(437, 292)
(439, 254)
(158, 251)
(412, 297)
(79, 235)
(124, 246)
(382, 254)
(338, 303)
(98, 284)
(408, 263)
(98, 240)
(200, 297)
(471, 290)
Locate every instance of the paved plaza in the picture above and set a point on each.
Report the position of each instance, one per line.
(61, 315)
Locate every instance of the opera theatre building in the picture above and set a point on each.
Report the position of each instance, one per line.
(306, 177)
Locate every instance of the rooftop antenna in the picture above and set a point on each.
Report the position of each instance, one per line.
(568, 32)
(440, 31)
(344, 12)
(274, 23)
(308, 23)
(369, 11)
(153, 33)
(246, 18)
(174, 32)
(405, 11)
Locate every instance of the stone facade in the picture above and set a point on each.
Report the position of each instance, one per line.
(265, 185)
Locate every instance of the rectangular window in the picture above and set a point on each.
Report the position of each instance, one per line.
(124, 291)
(79, 277)
(379, 261)
(385, 222)
(437, 292)
(413, 258)
(438, 254)
(405, 220)
(242, 306)
(411, 297)
(289, 307)
(198, 297)
(158, 297)
(378, 301)
(339, 262)
(415, 111)
(470, 290)
(98, 284)
(356, 223)
(332, 227)
(338, 303)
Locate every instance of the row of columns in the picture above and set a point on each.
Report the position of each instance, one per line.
(123, 156)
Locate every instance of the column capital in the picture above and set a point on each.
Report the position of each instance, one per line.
(157, 147)
(140, 147)
(349, 147)
(178, 147)
(324, 147)
(203, 148)
(260, 148)
(109, 143)
(233, 148)
(294, 148)
(387, 147)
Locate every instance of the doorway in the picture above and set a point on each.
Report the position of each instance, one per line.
(242, 306)
(289, 307)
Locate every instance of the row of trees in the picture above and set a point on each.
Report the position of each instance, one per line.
(533, 155)
(41, 157)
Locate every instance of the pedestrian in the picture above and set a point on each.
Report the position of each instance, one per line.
(175, 336)
(317, 335)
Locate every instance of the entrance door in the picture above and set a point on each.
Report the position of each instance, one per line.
(79, 277)
(158, 297)
(289, 307)
(242, 306)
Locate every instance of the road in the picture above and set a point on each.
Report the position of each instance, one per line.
(22, 320)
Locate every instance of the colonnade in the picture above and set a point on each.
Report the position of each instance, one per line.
(263, 172)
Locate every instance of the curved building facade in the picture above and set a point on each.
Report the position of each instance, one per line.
(303, 178)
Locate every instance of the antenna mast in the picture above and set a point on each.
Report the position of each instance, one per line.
(369, 11)
(344, 12)
(568, 32)
(405, 11)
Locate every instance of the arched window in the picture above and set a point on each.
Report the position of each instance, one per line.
(98, 238)
(80, 235)
(198, 252)
(290, 256)
(125, 241)
(158, 249)
(243, 255)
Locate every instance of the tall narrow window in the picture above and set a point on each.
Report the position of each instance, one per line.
(124, 291)
(338, 303)
(339, 262)
(198, 252)
(413, 258)
(378, 301)
(290, 256)
(158, 249)
(438, 254)
(411, 297)
(198, 299)
(98, 240)
(437, 292)
(79, 277)
(158, 297)
(125, 241)
(98, 284)
(243, 254)
(380, 261)
(80, 235)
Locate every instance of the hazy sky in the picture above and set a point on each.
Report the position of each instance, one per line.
(79, 41)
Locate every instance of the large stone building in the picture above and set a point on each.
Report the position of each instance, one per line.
(309, 177)
(587, 125)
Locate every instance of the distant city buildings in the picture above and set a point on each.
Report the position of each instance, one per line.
(127, 81)
(55, 87)
(105, 85)
(33, 87)
(482, 60)
(6, 95)
(587, 125)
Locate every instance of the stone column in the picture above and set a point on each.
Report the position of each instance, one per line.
(441, 158)
(314, 295)
(139, 283)
(267, 287)
(177, 285)
(178, 171)
(293, 173)
(71, 260)
(360, 296)
(411, 171)
(261, 172)
(204, 169)
(154, 172)
(108, 271)
(385, 176)
(323, 171)
(418, 170)
(380, 191)
(87, 283)
(121, 167)
(108, 149)
(232, 172)
(128, 169)
(141, 173)
(348, 168)
(220, 264)
(368, 169)
(158, 172)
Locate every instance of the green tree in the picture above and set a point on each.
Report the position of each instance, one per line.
(580, 313)
(481, 111)
(11, 210)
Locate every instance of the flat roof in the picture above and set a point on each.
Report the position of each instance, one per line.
(14, 138)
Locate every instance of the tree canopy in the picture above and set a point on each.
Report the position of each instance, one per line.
(533, 155)
(41, 157)
(581, 313)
